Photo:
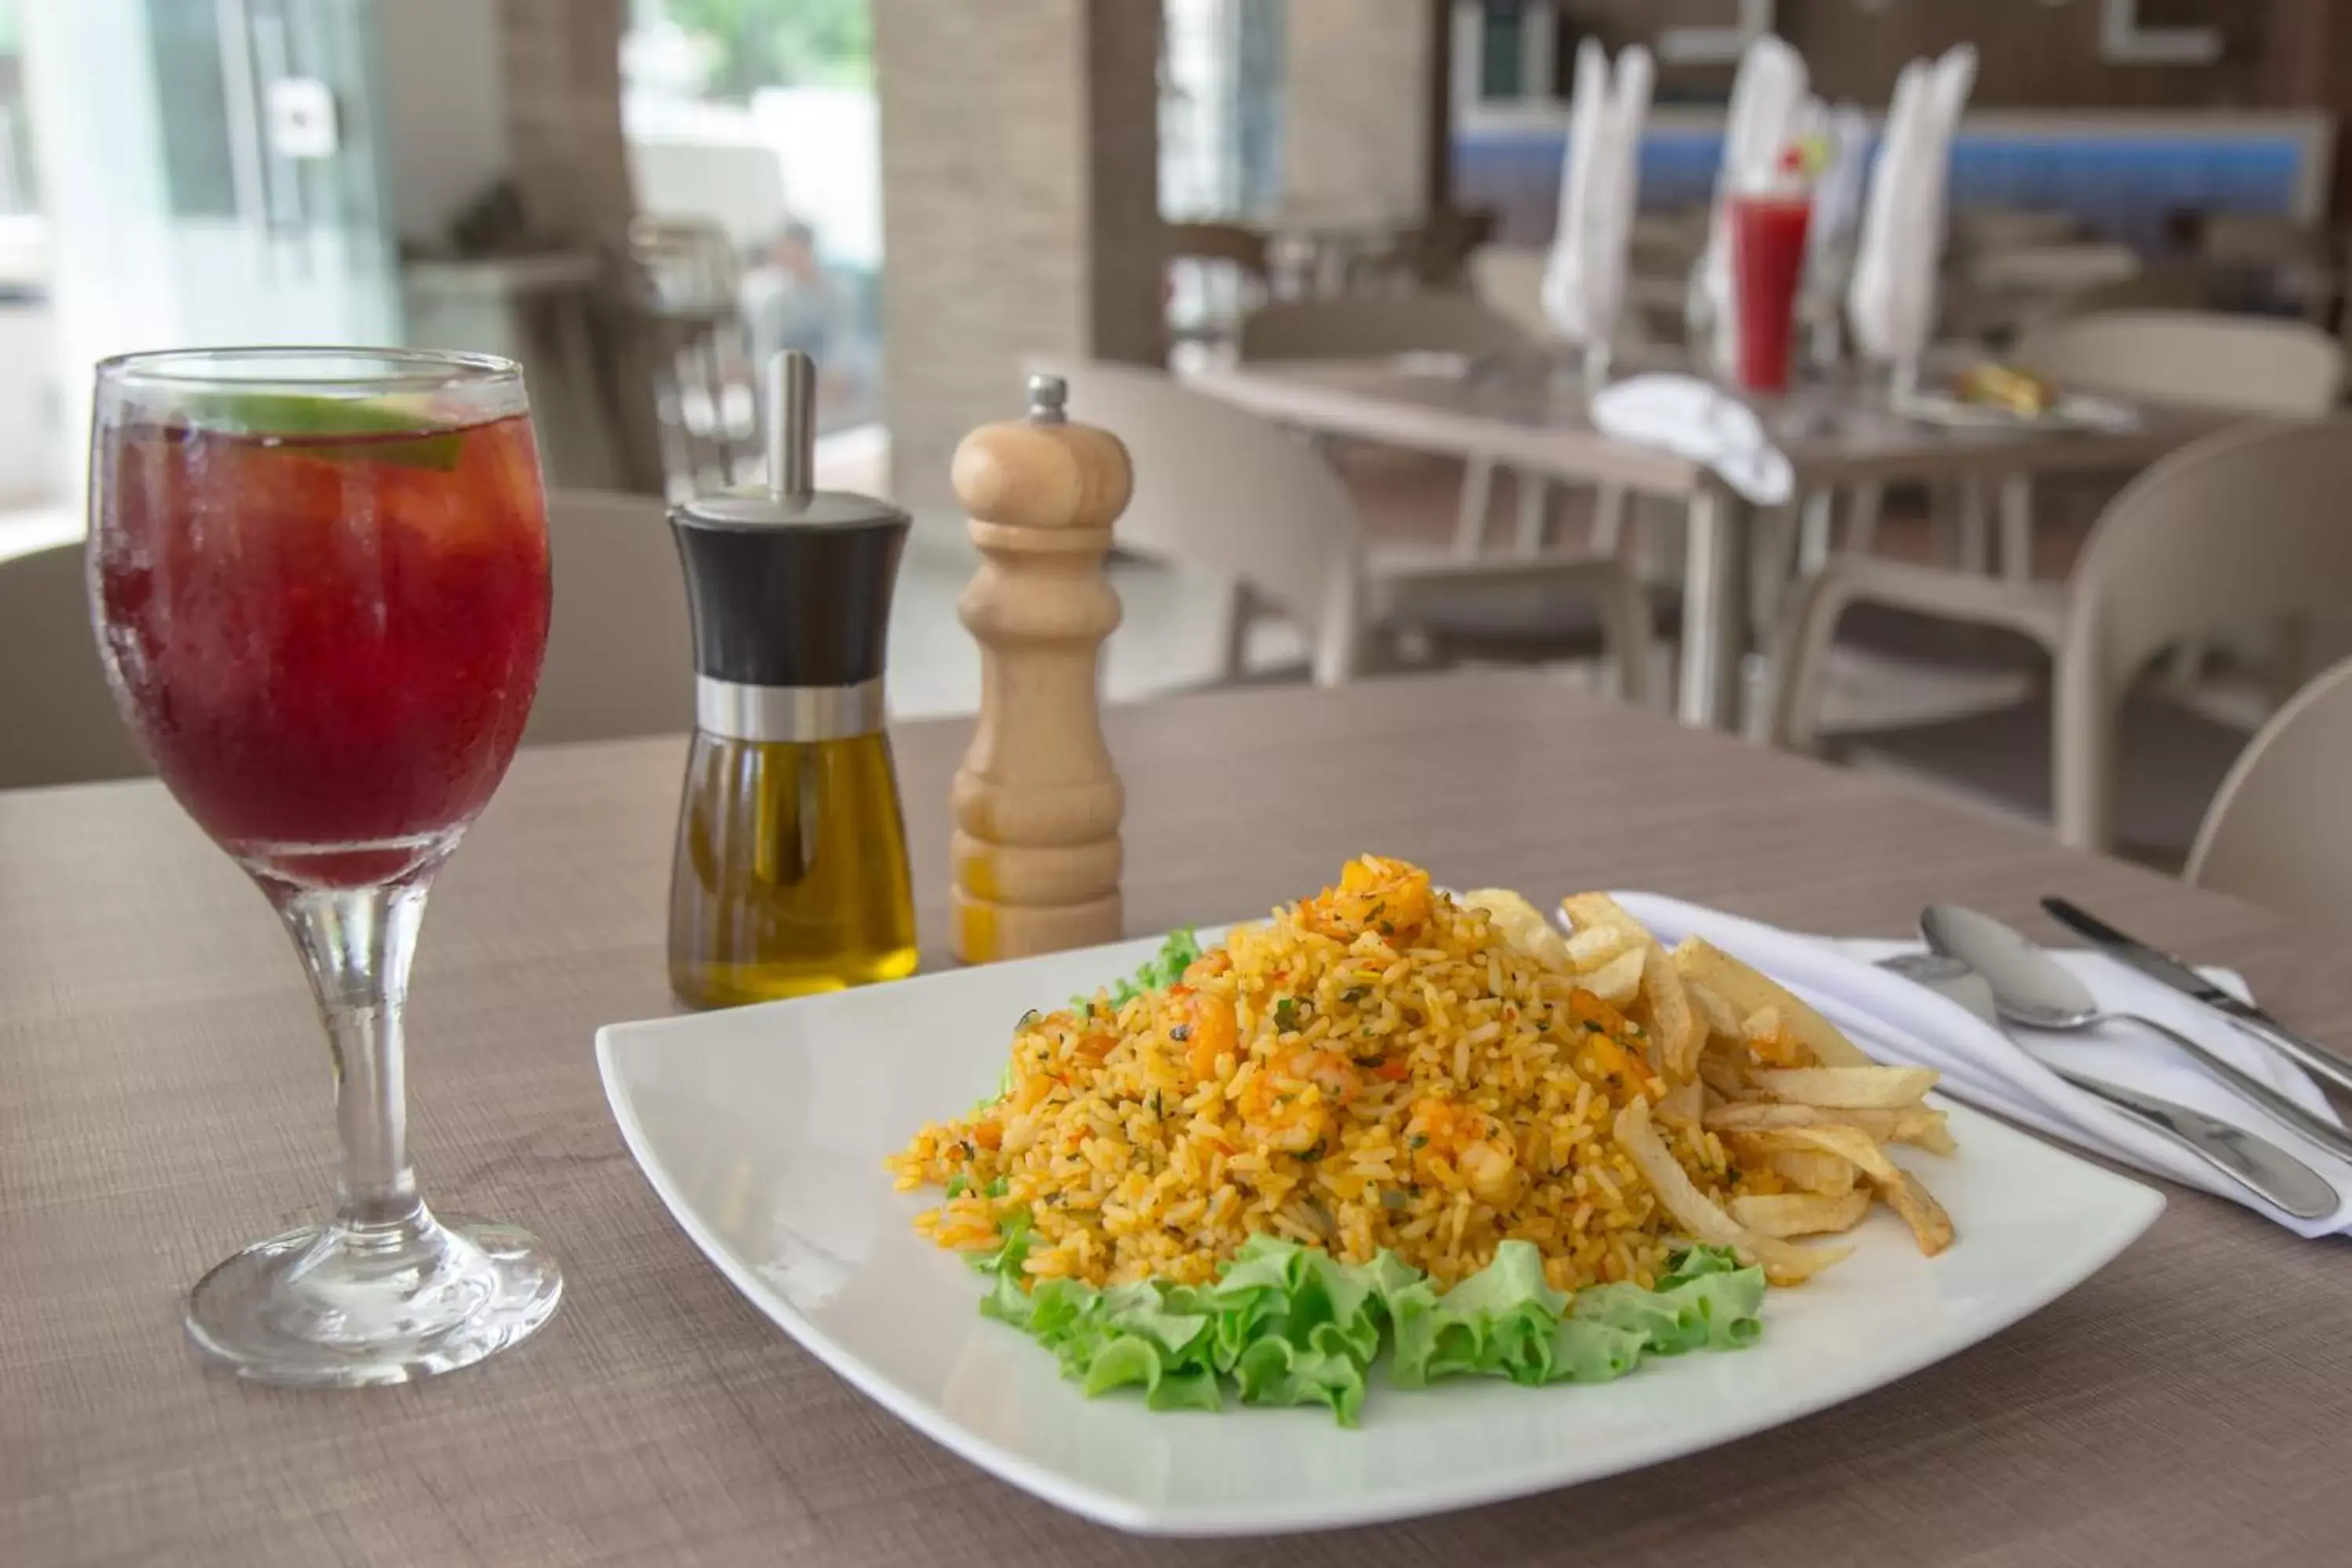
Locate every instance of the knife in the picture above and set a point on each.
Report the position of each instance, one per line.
(2166, 970)
(2255, 1164)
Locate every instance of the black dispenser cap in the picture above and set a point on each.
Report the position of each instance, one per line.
(790, 586)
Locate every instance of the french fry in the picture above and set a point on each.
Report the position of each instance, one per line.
(1747, 991)
(1801, 1213)
(1695, 1213)
(1682, 1104)
(1591, 947)
(1867, 1089)
(1521, 924)
(1806, 1170)
(1931, 1227)
(1772, 1116)
(1674, 1022)
(1724, 1075)
(1722, 1023)
(1599, 911)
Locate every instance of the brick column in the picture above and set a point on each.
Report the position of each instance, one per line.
(562, 65)
(1020, 209)
(1357, 108)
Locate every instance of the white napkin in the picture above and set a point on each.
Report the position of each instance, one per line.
(1701, 421)
(1838, 188)
(1900, 1020)
(1766, 97)
(1584, 277)
(1891, 300)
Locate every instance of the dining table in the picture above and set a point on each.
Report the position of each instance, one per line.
(1531, 414)
(164, 1098)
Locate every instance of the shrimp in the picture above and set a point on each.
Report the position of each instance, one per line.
(1287, 1115)
(1373, 894)
(1329, 1071)
(1442, 1134)
(1206, 1029)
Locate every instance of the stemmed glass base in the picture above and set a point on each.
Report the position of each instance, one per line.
(348, 1306)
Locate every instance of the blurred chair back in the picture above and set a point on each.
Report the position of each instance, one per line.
(2053, 269)
(1981, 230)
(2246, 527)
(1229, 493)
(1372, 328)
(57, 720)
(690, 308)
(1437, 252)
(2276, 834)
(1217, 273)
(620, 655)
(2250, 364)
(1508, 281)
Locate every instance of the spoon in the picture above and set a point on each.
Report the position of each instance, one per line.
(2255, 1164)
(2030, 989)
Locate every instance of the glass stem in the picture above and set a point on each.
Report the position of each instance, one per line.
(356, 943)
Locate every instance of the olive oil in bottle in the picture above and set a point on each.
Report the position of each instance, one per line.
(791, 873)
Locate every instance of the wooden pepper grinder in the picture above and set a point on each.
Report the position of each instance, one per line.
(1037, 804)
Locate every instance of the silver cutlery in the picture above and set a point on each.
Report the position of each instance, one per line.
(2255, 1164)
(2030, 989)
(2323, 1061)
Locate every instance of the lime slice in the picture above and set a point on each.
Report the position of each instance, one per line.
(305, 417)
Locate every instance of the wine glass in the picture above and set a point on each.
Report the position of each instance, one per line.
(320, 582)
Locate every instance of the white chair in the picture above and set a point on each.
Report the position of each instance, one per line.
(1228, 492)
(1377, 327)
(58, 721)
(2245, 526)
(2246, 364)
(620, 658)
(620, 652)
(1508, 281)
(2274, 833)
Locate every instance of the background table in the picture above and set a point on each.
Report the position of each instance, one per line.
(1525, 416)
(163, 1098)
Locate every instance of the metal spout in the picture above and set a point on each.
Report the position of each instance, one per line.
(791, 427)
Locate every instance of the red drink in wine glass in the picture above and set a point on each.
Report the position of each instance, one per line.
(327, 643)
(320, 580)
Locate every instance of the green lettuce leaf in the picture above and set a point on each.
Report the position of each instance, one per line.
(1161, 970)
(1286, 1324)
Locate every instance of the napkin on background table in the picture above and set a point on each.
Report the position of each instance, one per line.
(1701, 421)
(1900, 1020)
(1584, 277)
(1891, 301)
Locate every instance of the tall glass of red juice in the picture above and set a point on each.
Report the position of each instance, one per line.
(1767, 262)
(320, 582)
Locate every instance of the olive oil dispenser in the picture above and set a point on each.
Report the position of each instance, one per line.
(790, 872)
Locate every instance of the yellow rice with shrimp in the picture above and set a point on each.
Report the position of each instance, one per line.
(1376, 1067)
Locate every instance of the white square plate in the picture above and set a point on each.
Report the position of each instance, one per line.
(764, 1129)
